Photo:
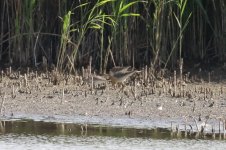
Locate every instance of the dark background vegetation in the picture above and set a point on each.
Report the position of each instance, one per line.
(156, 33)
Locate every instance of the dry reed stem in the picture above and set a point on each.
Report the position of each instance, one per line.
(18, 74)
(2, 104)
(90, 66)
(13, 91)
(204, 94)
(135, 89)
(224, 129)
(145, 74)
(92, 84)
(25, 81)
(83, 72)
(36, 75)
(2, 75)
(62, 99)
(175, 83)
(10, 71)
(28, 72)
(181, 75)
(181, 69)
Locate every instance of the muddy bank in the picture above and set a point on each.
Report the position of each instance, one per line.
(37, 95)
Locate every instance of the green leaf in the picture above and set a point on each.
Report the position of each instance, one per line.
(66, 21)
(183, 6)
(130, 14)
(127, 6)
(178, 22)
(103, 2)
(82, 5)
(95, 26)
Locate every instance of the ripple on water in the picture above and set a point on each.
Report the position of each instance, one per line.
(24, 141)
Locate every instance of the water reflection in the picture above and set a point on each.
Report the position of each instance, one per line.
(55, 129)
(50, 128)
(28, 134)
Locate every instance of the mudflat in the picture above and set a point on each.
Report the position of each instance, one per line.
(40, 94)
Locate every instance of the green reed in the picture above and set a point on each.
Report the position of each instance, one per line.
(137, 33)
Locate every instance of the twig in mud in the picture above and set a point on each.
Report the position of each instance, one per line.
(90, 66)
(92, 84)
(85, 94)
(83, 72)
(219, 129)
(135, 90)
(175, 83)
(224, 129)
(1, 76)
(213, 132)
(18, 75)
(36, 75)
(193, 108)
(62, 100)
(25, 80)
(28, 72)
(204, 94)
(171, 132)
(37, 85)
(181, 69)
(10, 71)
(196, 124)
(181, 74)
(120, 101)
(13, 92)
(82, 132)
(2, 104)
(178, 131)
(171, 123)
(221, 90)
(145, 74)
(209, 77)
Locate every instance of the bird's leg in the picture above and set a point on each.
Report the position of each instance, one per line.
(122, 87)
(114, 86)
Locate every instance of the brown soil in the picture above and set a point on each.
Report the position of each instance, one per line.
(41, 97)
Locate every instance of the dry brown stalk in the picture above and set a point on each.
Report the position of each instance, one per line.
(181, 75)
(205, 94)
(36, 75)
(62, 100)
(2, 75)
(10, 71)
(90, 66)
(2, 104)
(13, 92)
(25, 81)
(135, 90)
(175, 83)
(181, 69)
(92, 84)
(18, 74)
(85, 94)
(28, 72)
(209, 77)
(83, 72)
(145, 74)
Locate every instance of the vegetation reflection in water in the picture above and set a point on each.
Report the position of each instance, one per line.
(31, 127)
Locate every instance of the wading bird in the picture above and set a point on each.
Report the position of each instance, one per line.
(118, 75)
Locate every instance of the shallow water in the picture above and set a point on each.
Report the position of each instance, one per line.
(29, 134)
(26, 141)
